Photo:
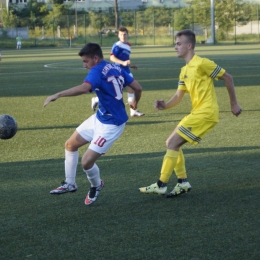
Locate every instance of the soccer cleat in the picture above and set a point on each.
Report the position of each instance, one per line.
(64, 188)
(136, 113)
(179, 189)
(93, 193)
(94, 103)
(154, 188)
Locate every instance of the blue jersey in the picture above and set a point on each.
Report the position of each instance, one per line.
(108, 81)
(122, 51)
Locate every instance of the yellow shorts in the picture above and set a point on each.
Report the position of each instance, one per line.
(192, 128)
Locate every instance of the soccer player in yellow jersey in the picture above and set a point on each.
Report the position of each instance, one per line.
(196, 78)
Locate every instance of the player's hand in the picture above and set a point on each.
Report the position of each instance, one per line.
(236, 109)
(159, 104)
(50, 99)
(126, 63)
(133, 104)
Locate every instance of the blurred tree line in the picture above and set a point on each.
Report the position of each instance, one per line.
(227, 14)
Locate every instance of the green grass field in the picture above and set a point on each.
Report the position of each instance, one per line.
(218, 219)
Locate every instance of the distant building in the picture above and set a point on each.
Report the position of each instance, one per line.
(95, 5)
(105, 5)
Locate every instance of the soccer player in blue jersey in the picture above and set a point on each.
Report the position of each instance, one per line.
(103, 128)
(120, 54)
(196, 78)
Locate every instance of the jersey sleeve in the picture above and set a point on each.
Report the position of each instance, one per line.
(93, 80)
(128, 79)
(114, 50)
(181, 83)
(212, 69)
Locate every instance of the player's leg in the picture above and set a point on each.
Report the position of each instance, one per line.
(71, 161)
(192, 129)
(93, 175)
(130, 98)
(76, 140)
(103, 138)
(174, 142)
(180, 170)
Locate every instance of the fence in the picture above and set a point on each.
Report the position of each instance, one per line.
(153, 28)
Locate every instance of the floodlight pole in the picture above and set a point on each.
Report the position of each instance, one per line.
(212, 22)
(76, 19)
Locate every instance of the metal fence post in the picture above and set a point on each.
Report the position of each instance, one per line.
(85, 28)
(153, 30)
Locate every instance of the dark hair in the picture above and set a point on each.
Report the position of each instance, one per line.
(90, 50)
(191, 37)
(123, 29)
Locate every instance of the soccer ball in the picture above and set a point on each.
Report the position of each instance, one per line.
(8, 126)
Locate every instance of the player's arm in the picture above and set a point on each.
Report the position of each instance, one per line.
(75, 91)
(175, 99)
(125, 63)
(137, 91)
(228, 80)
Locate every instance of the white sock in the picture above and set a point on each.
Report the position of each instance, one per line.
(71, 163)
(93, 176)
(96, 99)
(131, 97)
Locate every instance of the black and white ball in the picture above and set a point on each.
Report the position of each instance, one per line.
(8, 127)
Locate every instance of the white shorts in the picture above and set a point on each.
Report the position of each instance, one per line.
(101, 136)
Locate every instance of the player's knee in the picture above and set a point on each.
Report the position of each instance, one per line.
(69, 146)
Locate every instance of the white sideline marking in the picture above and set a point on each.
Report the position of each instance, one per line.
(145, 65)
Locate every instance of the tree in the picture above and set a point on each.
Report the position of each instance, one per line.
(53, 19)
(183, 18)
(116, 14)
(9, 19)
(96, 20)
(230, 13)
(227, 13)
(201, 14)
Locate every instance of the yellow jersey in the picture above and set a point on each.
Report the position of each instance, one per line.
(196, 78)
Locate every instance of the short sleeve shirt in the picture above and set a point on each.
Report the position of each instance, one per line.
(108, 81)
(122, 51)
(196, 78)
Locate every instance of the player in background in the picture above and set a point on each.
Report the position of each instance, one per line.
(120, 54)
(196, 78)
(18, 42)
(101, 129)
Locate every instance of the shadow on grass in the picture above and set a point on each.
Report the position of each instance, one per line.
(123, 222)
(75, 126)
(130, 157)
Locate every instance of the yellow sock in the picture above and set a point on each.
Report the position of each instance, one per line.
(180, 169)
(169, 163)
